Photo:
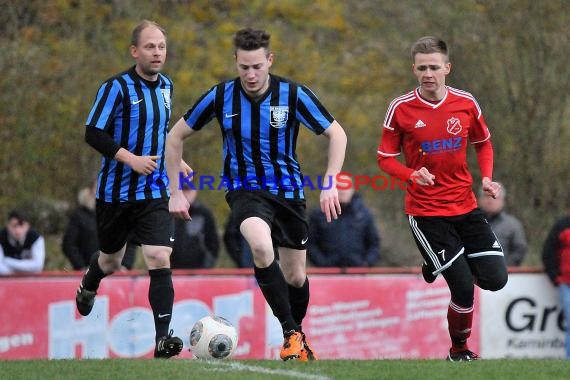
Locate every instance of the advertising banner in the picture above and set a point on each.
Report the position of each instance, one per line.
(522, 320)
(379, 317)
(350, 316)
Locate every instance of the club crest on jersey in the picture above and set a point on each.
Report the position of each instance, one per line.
(278, 116)
(454, 126)
(166, 97)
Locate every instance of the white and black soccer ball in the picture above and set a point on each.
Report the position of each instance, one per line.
(213, 337)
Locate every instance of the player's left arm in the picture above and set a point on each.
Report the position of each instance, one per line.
(480, 137)
(330, 204)
(314, 115)
(178, 204)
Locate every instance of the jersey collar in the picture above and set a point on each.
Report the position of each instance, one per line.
(427, 102)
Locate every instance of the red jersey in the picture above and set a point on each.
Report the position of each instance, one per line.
(435, 135)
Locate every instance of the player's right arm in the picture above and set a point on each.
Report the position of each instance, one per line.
(102, 115)
(193, 120)
(108, 147)
(178, 204)
(144, 165)
(389, 149)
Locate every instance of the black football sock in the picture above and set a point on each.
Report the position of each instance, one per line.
(93, 275)
(161, 299)
(299, 301)
(276, 293)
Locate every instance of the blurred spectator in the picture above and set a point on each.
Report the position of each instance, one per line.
(350, 241)
(196, 242)
(80, 241)
(508, 230)
(556, 259)
(22, 249)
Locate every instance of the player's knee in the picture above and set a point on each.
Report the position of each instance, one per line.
(109, 263)
(494, 283)
(295, 278)
(156, 258)
(298, 281)
(262, 253)
(259, 247)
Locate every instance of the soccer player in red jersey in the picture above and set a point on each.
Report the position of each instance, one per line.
(432, 125)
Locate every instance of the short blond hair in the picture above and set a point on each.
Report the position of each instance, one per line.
(429, 45)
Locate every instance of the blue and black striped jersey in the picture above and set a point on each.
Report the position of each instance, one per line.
(260, 136)
(135, 113)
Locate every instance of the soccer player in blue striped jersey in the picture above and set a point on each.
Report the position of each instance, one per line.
(259, 115)
(128, 126)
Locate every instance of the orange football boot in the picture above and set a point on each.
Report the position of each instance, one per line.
(292, 345)
(307, 353)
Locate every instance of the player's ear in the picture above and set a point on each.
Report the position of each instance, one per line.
(447, 68)
(133, 50)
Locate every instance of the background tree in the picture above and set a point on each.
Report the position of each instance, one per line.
(354, 55)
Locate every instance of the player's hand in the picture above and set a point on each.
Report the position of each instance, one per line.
(144, 165)
(490, 188)
(330, 204)
(178, 206)
(423, 177)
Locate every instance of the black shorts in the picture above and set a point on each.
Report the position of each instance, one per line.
(441, 240)
(145, 222)
(286, 218)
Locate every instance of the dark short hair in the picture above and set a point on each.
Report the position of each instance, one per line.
(19, 215)
(428, 45)
(251, 39)
(135, 36)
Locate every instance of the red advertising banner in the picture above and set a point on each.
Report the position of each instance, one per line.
(350, 316)
(372, 317)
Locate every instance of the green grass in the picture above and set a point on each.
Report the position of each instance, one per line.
(139, 369)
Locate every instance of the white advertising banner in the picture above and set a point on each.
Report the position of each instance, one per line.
(522, 320)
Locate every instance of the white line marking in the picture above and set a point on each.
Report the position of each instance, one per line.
(251, 368)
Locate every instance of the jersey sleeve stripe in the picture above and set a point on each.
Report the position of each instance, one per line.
(467, 95)
(311, 110)
(202, 111)
(106, 102)
(384, 154)
(393, 105)
(485, 139)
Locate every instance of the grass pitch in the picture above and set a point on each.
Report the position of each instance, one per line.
(139, 369)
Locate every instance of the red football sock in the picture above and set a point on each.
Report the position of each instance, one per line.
(459, 320)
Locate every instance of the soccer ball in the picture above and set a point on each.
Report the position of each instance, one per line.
(213, 337)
